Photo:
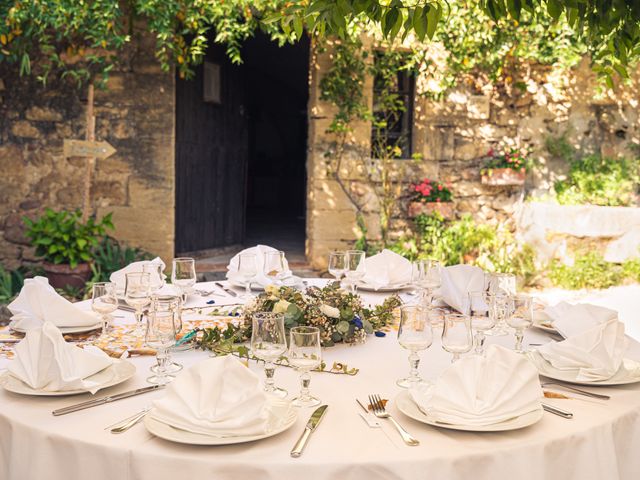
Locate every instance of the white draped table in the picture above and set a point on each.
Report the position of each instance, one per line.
(602, 441)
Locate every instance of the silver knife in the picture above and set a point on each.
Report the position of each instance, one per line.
(312, 424)
(228, 290)
(103, 400)
(557, 411)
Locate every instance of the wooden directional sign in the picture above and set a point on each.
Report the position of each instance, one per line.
(86, 148)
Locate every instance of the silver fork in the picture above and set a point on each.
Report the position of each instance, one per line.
(380, 412)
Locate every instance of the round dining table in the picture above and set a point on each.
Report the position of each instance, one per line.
(601, 441)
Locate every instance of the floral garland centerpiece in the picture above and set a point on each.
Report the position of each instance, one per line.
(340, 315)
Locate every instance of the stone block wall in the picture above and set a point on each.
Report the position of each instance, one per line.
(135, 115)
(454, 135)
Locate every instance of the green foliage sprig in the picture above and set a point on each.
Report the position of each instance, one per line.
(62, 237)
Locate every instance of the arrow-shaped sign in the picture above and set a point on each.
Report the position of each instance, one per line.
(85, 148)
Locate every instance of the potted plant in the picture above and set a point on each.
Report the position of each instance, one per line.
(430, 196)
(505, 168)
(65, 244)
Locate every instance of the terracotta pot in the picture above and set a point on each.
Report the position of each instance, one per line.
(443, 208)
(503, 176)
(62, 275)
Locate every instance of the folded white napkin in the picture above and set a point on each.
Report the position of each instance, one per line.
(456, 283)
(596, 353)
(119, 277)
(479, 390)
(386, 269)
(219, 397)
(572, 320)
(38, 302)
(261, 278)
(45, 361)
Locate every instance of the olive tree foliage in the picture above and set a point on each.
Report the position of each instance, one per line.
(84, 39)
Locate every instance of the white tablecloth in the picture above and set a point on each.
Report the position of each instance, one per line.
(601, 442)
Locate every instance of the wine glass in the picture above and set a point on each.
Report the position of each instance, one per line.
(502, 286)
(482, 319)
(428, 279)
(268, 343)
(160, 335)
(137, 292)
(414, 334)
(247, 271)
(337, 265)
(305, 355)
(274, 266)
(104, 301)
(183, 275)
(169, 303)
(519, 317)
(355, 268)
(156, 275)
(456, 335)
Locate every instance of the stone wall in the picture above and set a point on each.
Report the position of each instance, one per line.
(135, 115)
(454, 135)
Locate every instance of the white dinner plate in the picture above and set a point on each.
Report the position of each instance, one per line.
(388, 289)
(119, 371)
(629, 372)
(66, 330)
(406, 405)
(173, 434)
(545, 327)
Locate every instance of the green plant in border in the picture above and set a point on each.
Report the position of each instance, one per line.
(11, 282)
(62, 238)
(590, 270)
(110, 255)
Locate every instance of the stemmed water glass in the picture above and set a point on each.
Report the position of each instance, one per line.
(305, 354)
(482, 319)
(160, 335)
(104, 301)
(456, 335)
(156, 276)
(274, 266)
(247, 271)
(426, 275)
(520, 317)
(183, 275)
(415, 335)
(501, 286)
(169, 303)
(337, 265)
(137, 292)
(355, 268)
(268, 343)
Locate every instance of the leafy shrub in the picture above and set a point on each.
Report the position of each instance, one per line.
(464, 241)
(62, 237)
(11, 282)
(110, 256)
(599, 181)
(591, 270)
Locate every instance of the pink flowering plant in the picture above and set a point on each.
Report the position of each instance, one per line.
(513, 158)
(431, 191)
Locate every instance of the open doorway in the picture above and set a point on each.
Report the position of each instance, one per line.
(241, 160)
(278, 92)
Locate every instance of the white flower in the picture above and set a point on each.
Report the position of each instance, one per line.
(281, 306)
(271, 289)
(329, 311)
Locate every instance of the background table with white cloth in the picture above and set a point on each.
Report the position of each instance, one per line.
(602, 441)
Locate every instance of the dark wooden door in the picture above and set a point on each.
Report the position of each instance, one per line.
(211, 160)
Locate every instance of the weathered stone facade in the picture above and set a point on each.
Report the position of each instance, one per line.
(135, 115)
(454, 135)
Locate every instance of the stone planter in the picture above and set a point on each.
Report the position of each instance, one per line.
(443, 208)
(62, 275)
(503, 177)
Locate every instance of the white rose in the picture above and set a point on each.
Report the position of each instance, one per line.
(281, 306)
(271, 289)
(329, 311)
